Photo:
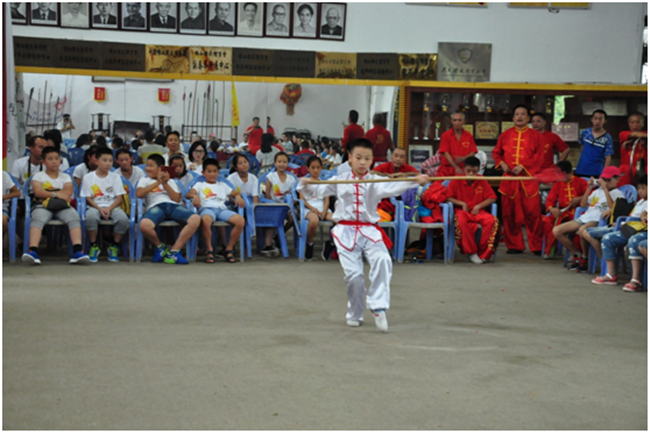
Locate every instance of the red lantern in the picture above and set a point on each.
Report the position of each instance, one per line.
(290, 96)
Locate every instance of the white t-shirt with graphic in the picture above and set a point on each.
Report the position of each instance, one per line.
(279, 189)
(136, 174)
(213, 195)
(639, 207)
(597, 202)
(50, 184)
(103, 190)
(80, 171)
(250, 187)
(159, 194)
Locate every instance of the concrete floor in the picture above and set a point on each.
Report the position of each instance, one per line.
(520, 344)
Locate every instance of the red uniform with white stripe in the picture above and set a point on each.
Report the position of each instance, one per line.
(449, 143)
(520, 204)
(466, 224)
(560, 196)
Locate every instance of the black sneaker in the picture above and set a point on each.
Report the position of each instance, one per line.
(268, 250)
(575, 264)
(584, 265)
(309, 252)
(276, 240)
(514, 252)
(328, 247)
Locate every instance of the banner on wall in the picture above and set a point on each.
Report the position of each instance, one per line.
(162, 58)
(464, 62)
(211, 61)
(100, 94)
(164, 95)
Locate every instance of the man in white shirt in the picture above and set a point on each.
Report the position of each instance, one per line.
(31, 164)
(66, 126)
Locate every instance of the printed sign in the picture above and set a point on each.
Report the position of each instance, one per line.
(487, 130)
(77, 55)
(336, 65)
(294, 64)
(464, 62)
(377, 66)
(100, 94)
(252, 62)
(123, 57)
(164, 96)
(211, 61)
(171, 59)
(33, 52)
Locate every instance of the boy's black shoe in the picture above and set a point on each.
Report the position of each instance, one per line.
(584, 265)
(328, 247)
(514, 252)
(276, 240)
(575, 264)
(309, 252)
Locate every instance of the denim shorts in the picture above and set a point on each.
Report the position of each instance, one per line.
(221, 214)
(168, 211)
(599, 232)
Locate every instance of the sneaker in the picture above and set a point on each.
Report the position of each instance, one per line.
(113, 254)
(31, 258)
(546, 257)
(380, 320)
(275, 251)
(328, 248)
(309, 252)
(175, 258)
(79, 258)
(159, 254)
(605, 279)
(353, 323)
(633, 286)
(475, 259)
(583, 266)
(93, 253)
(267, 251)
(512, 251)
(537, 253)
(575, 264)
(276, 240)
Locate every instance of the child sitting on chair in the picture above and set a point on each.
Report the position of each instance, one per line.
(470, 199)
(130, 172)
(316, 208)
(246, 183)
(278, 185)
(210, 198)
(162, 200)
(53, 192)
(178, 163)
(103, 191)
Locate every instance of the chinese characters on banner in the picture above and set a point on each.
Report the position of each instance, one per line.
(210, 61)
(100, 94)
(164, 95)
(161, 58)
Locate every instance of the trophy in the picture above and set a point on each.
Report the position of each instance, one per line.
(506, 104)
(416, 128)
(548, 104)
(444, 101)
(489, 103)
(437, 130)
(533, 103)
(466, 101)
(427, 115)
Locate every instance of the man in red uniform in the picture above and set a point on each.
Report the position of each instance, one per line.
(380, 138)
(397, 167)
(352, 131)
(564, 194)
(470, 199)
(551, 142)
(518, 153)
(456, 145)
(634, 146)
(254, 132)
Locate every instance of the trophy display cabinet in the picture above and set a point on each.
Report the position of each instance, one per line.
(488, 112)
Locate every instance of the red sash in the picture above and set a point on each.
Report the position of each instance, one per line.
(384, 236)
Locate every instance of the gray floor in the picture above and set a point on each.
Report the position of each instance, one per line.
(520, 344)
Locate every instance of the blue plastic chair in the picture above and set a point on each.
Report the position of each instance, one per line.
(76, 156)
(240, 211)
(128, 242)
(301, 225)
(140, 240)
(253, 163)
(13, 208)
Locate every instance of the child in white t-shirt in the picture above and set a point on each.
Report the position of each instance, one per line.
(600, 202)
(89, 165)
(278, 185)
(9, 191)
(129, 171)
(245, 183)
(104, 193)
(178, 162)
(210, 197)
(53, 192)
(162, 197)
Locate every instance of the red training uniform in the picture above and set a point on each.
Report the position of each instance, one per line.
(351, 133)
(381, 142)
(520, 204)
(640, 152)
(560, 196)
(254, 139)
(466, 223)
(551, 143)
(449, 143)
(385, 205)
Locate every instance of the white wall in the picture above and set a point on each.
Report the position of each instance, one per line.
(601, 44)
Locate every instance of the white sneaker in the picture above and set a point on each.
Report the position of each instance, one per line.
(380, 320)
(353, 323)
(475, 259)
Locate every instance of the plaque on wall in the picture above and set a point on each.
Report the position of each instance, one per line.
(506, 125)
(34, 52)
(294, 64)
(163, 58)
(252, 62)
(469, 128)
(487, 130)
(418, 66)
(71, 54)
(464, 62)
(377, 66)
(567, 131)
(123, 57)
(336, 65)
(210, 61)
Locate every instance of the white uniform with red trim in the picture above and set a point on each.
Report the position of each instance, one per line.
(358, 202)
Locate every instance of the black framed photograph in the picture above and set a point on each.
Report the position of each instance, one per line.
(163, 17)
(104, 15)
(223, 17)
(44, 14)
(134, 16)
(75, 15)
(278, 19)
(305, 20)
(193, 18)
(18, 13)
(332, 21)
(250, 19)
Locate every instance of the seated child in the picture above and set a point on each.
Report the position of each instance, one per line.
(162, 201)
(103, 190)
(178, 162)
(89, 164)
(561, 202)
(130, 172)
(470, 199)
(246, 183)
(210, 198)
(9, 191)
(599, 196)
(316, 208)
(278, 185)
(53, 191)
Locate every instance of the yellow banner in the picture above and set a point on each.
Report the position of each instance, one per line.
(235, 106)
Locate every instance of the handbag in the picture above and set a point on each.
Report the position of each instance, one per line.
(55, 204)
(630, 229)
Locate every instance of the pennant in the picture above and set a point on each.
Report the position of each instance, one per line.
(235, 106)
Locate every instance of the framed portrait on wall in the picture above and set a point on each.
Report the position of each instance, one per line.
(278, 19)
(18, 13)
(75, 15)
(163, 17)
(104, 15)
(223, 17)
(305, 19)
(44, 14)
(134, 16)
(193, 19)
(250, 19)
(332, 21)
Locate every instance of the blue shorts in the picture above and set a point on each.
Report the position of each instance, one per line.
(168, 211)
(222, 214)
(599, 232)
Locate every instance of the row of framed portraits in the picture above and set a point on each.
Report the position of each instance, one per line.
(282, 20)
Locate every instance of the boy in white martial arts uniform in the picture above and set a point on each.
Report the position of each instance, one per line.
(357, 234)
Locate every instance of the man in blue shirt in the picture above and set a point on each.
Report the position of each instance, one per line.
(597, 147)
